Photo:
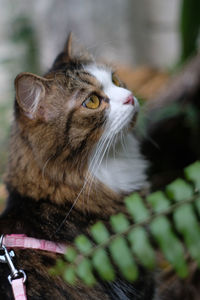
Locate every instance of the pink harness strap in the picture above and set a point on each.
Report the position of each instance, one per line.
(19, 289)
(23, 242)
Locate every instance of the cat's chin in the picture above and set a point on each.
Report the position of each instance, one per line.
(133, 121)
(130, 125)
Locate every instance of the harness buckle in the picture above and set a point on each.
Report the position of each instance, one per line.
(7, 258)
(3, 258)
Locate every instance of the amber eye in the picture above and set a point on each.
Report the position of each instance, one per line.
(92, 102)
(115, 80)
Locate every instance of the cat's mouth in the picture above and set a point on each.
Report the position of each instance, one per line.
(134, 120)
(122, 117)
(135, 110)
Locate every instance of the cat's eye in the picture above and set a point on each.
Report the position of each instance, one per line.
(115, 80)
(92, 102)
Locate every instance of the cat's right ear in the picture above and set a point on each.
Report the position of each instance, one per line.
(30, 91)
(71, 50)
(68, 48)
(66, 55)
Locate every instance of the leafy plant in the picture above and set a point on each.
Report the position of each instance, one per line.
(189, 28)
(163, 220)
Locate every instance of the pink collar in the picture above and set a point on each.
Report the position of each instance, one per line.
(18, 277)
(23, 242)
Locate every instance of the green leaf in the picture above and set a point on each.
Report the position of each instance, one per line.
(84, 271)
(186, 223)
(193, 173)
(102, 264)
(123, 258)
(197, 204)
(131, 241)
(99, 232)
(119, 222)
(158, 201)
(169, 244)
(70, 254)
(59, 267)
(69, 275)
(83, 244)
(189, 28)
(136, 208)
(141, 247)
(179, 190)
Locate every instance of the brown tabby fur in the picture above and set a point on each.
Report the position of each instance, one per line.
(48, 162)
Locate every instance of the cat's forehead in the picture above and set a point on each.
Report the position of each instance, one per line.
(82, 76)
(101, 73)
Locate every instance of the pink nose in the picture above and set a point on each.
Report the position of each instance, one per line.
(129, 100)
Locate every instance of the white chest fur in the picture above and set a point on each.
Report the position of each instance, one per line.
(123, 167)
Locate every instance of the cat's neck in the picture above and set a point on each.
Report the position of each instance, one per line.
(43, 219)
(120, 173)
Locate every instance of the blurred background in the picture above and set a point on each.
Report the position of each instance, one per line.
(146, 39)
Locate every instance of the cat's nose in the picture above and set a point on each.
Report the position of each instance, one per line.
(129, 100)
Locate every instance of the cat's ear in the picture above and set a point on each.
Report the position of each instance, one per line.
(30, 91)
(68, 48)
(66, 55)
(72, 50)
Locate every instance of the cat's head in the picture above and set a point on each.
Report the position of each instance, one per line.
(63, 115)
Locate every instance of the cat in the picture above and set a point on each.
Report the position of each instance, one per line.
(73, 158)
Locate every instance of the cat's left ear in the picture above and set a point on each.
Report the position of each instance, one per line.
(30, 93)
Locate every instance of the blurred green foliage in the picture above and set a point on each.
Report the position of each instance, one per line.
(22, 35)
(189, 28)
(173, 227)
(24, 32)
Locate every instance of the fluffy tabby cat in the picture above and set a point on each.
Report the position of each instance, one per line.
(72, 159)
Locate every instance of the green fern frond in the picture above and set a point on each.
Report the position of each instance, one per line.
(165, 221)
